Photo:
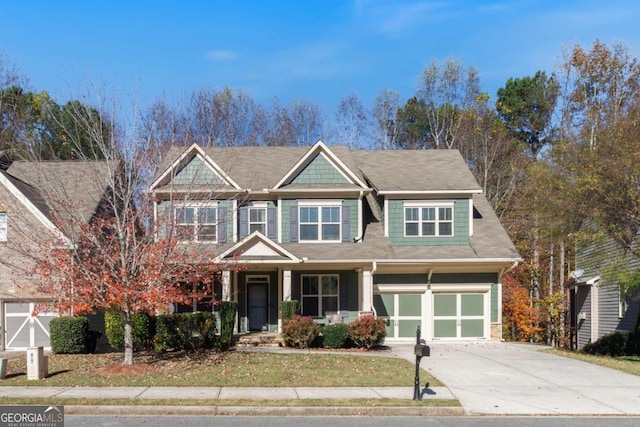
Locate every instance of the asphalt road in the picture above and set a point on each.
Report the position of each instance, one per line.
(159, 421)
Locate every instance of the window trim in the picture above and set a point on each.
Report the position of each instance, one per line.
(263, 223)
(319, 223)
(319, 295)
(196, 224)
(437, 205)
(622, 301)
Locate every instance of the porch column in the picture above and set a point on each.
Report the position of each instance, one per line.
(286, 285)
(366, 303)
(226, 285)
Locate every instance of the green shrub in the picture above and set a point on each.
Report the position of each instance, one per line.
(70, 335)
(300, 331)
(185, 331)
(142, 324)
(367, 331)
(614, 344)
(288, 309)
(228, 311)
(335, 335)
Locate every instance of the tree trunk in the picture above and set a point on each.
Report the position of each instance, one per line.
(128, 341)
(564, 296)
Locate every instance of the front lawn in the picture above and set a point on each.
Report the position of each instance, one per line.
(628, 364)
(232, 369)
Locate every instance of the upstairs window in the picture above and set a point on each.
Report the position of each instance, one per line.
(3, 226)
(320, 223)
(426, 221)
(197, 223)
(258, 220)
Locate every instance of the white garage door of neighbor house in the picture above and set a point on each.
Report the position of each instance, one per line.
(24, 327)
(402, 313)
(459, 315)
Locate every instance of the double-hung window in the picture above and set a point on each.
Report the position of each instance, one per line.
(197, 223)
(320, 294)
(428, 220)
(258, 220)
(320, 223)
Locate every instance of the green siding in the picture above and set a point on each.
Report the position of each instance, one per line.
(460, 226)
(400, 279)
(353, 205)
(494, 303)
(196, 172)
(465, 278)
(319, 171)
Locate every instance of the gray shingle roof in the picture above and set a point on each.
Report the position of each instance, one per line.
(258, 168)
(62, 190)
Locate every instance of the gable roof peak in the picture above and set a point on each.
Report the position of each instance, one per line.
(316, 149)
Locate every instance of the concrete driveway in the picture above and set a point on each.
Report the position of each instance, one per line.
(506, 378)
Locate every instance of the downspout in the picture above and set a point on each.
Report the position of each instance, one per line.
(374, 267)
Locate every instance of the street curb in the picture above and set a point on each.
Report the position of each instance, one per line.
(386, 411)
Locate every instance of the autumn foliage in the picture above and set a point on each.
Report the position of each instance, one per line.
(519, 317)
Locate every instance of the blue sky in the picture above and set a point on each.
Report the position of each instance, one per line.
(315, 50)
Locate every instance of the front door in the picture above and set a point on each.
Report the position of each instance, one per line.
(257, 302)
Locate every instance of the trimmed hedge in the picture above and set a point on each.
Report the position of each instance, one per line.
(335, 335)
(228, 311)
(185, 331)
(615, 344)
(144, 329)
(70, 335)
(288, 309)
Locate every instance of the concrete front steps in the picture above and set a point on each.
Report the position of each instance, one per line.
(258, 339)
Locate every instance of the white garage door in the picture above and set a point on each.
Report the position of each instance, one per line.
(459, 315)
(24, 327)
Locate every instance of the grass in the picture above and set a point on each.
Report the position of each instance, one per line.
(628, 364)
(232, 369)
(233, 402)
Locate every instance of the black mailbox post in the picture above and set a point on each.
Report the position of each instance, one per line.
(421, 350)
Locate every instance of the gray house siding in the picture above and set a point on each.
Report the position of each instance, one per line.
(319, 171)
(602, 257)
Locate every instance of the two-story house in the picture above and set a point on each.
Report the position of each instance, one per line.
(405, 235)
(39, 201)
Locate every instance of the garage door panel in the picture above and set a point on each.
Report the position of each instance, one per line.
(445, 329)
(472, 328)
(409, 305)
(27, 325)
(444, 305)
(407, 328)
(472, 304)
